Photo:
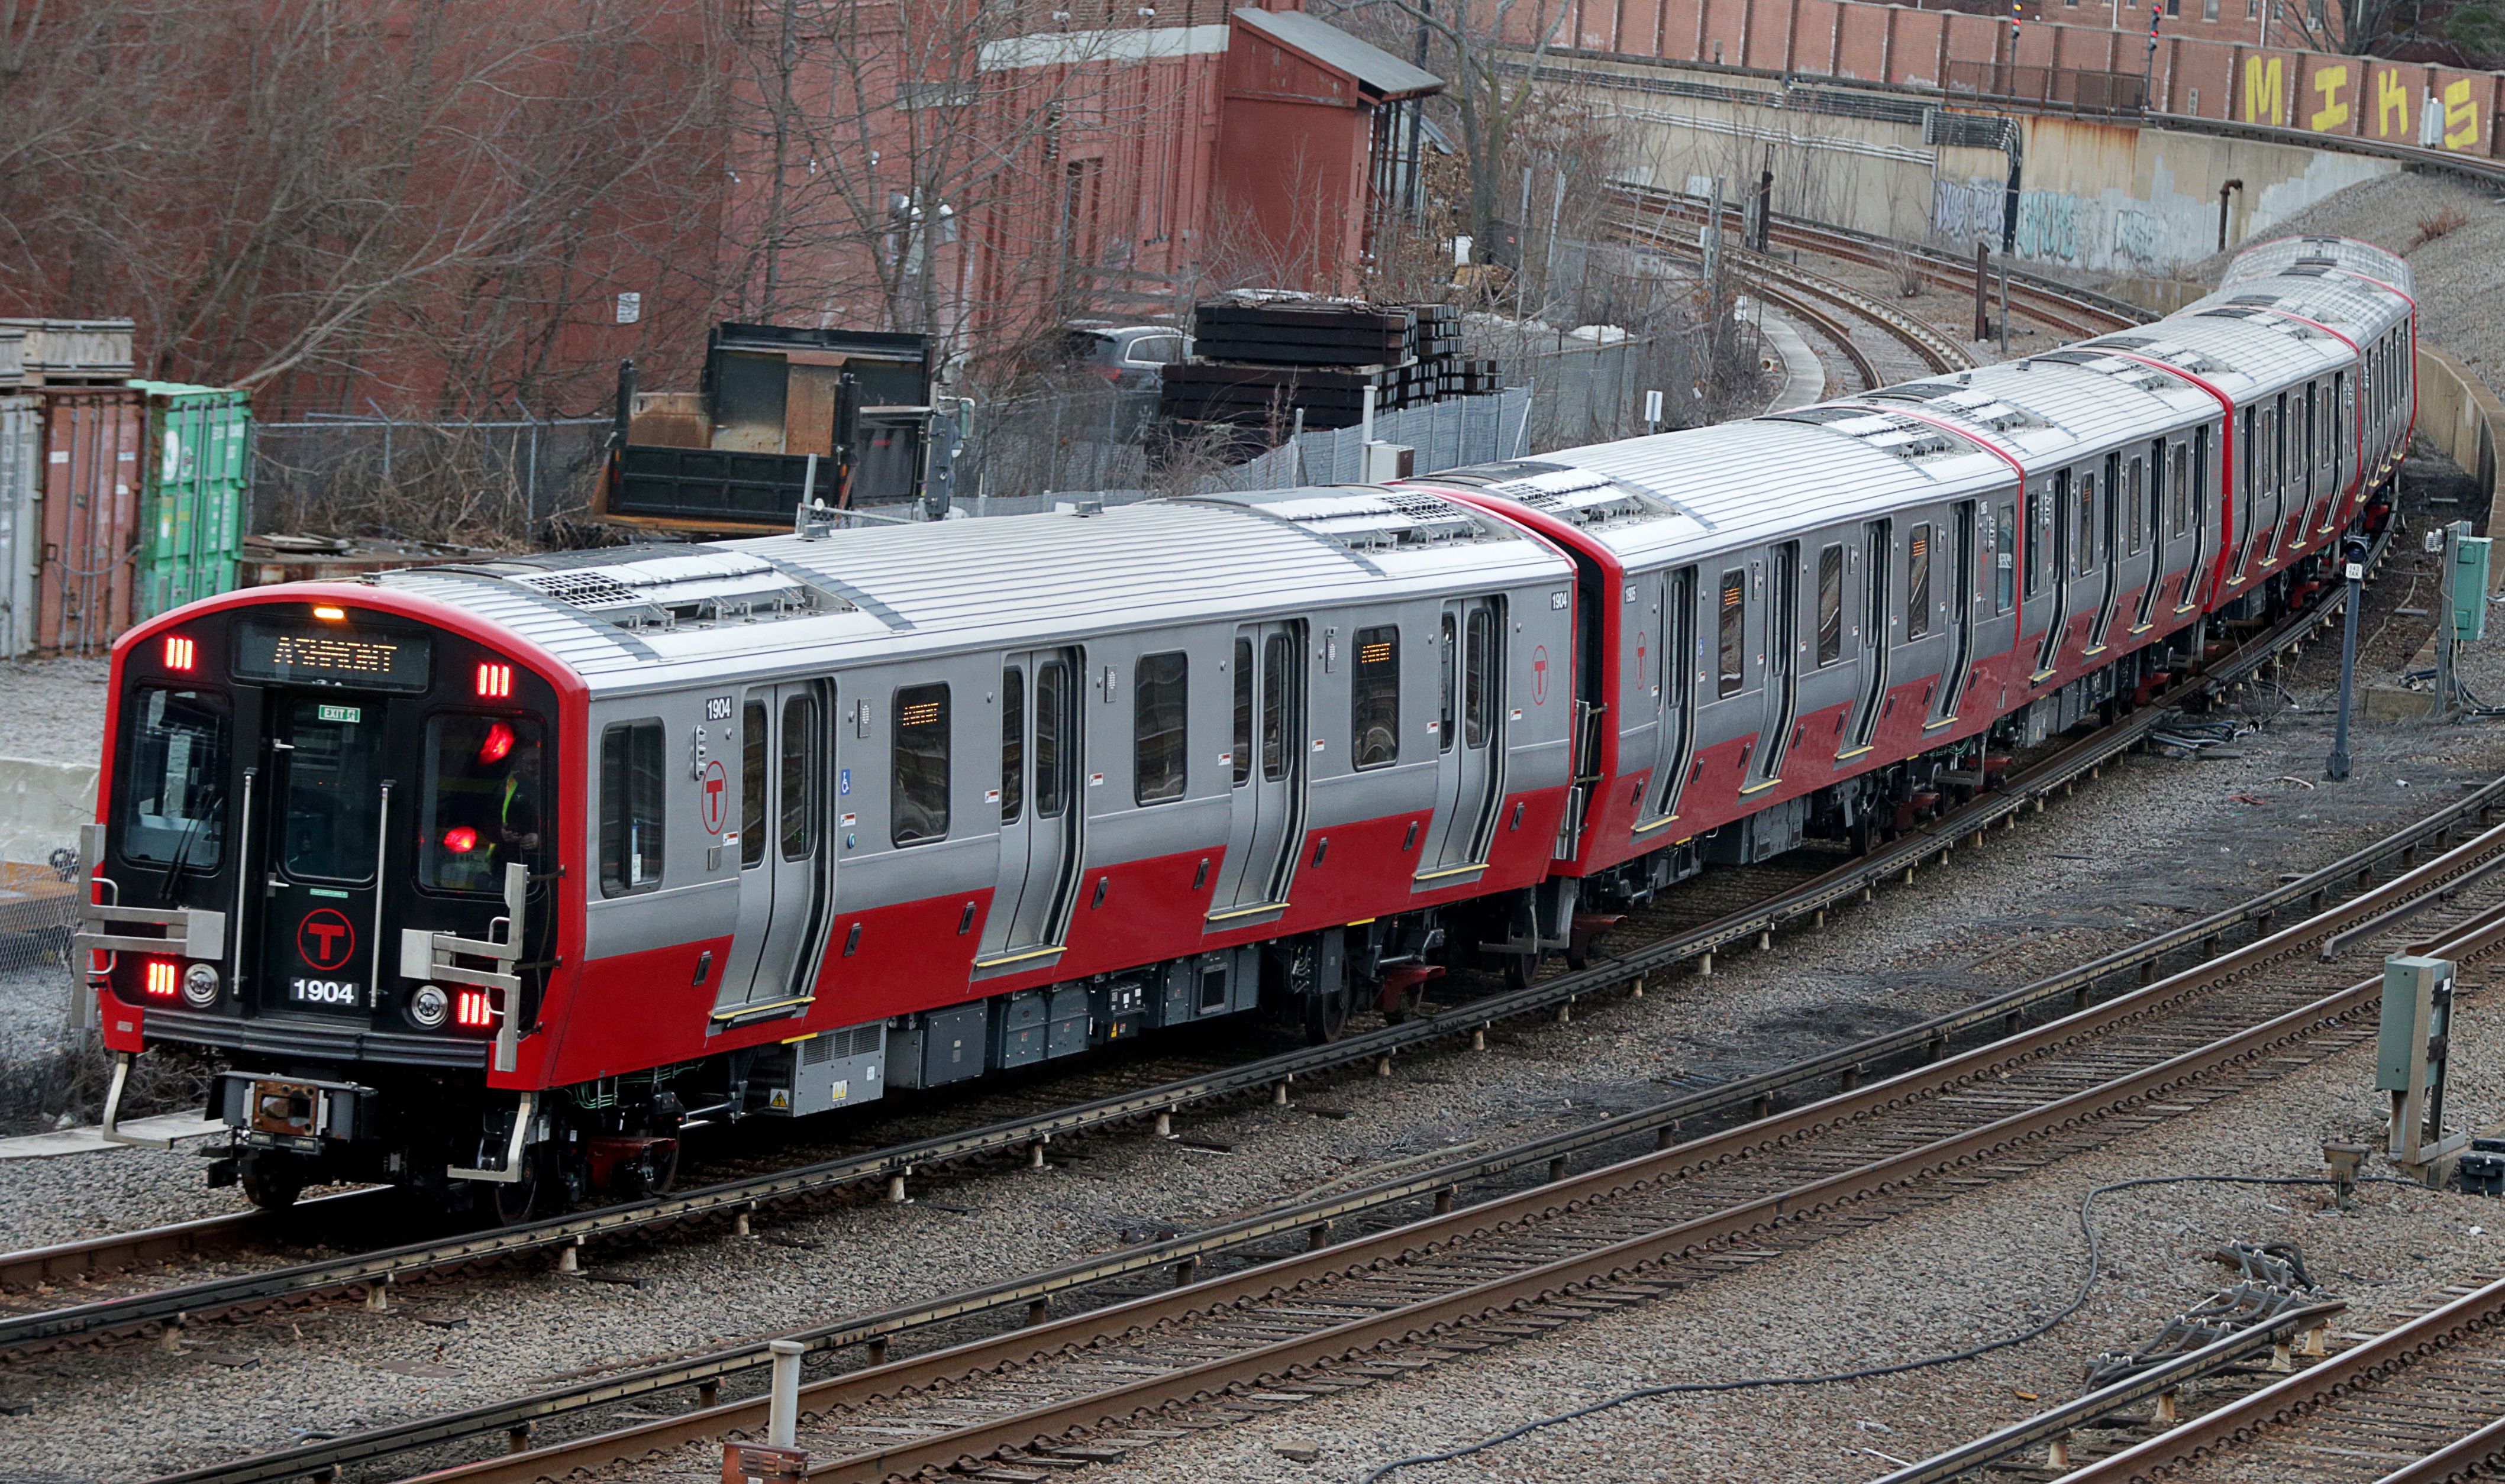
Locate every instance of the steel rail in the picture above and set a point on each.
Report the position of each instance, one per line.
(2478, 1315)
(27, 1334)
(2059, 1422)
(1616, 1262)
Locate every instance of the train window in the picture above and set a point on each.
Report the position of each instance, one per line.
(753, 747)
(1374, 697)
(630, 808)
(1918, 582)
(1277, 651)
(1159, 717)
(1831, 604)
(1052, 711)
(2182, 488)
(1012, 743)
(798, 794)
(2004, 558)
(1478, 677)
(2083, 538)
(1242, 756)
(2039, 530)
(333, 779)
(484, 777)
(918, 801)
(1730, 634)
(173, 795)
(2136, 502)
(1447, 660)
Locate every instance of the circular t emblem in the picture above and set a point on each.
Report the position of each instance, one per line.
(326, 939)
(716, 797)
(1540, 675)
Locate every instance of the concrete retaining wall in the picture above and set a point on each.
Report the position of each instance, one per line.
(2461, 415)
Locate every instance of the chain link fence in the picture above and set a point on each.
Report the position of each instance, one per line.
(476, 482)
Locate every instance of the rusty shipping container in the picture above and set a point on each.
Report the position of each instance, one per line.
(93, 438)
(22, 531)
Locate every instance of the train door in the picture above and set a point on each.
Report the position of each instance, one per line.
(2051, 528)
(1039, 826)
(1962, 584)
(1676, 744)
(2106, 536)
(782, 854)
(1268, 759)
(1878, 548)
(1782, 665)
(332, 812)
(2149, 494)
(1469, 768)
(2192, 481)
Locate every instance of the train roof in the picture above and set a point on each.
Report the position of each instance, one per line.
(627, 617)
(2268, 260)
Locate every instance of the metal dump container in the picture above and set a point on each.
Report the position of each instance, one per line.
(93, 438)
(193, 493)
(21, 533)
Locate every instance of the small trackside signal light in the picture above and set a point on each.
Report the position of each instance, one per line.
(470, 1009)
(180, 654)
(165, 979)
(461, 840)
(495, 681)
(328, 614)
(498, 744)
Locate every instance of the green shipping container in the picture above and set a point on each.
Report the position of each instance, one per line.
(193, 494)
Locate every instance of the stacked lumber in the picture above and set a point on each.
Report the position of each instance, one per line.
(1262, 362)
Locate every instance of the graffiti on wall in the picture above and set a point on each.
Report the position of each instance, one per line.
(1967, 210)
(2048, 224)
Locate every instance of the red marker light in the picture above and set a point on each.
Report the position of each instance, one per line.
(461, 840)
(498, 743)
(180, 653)
(164, 977)
(470, 1009)
(495, 681)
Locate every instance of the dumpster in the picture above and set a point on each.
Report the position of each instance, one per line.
(193, 493)
(93, 441)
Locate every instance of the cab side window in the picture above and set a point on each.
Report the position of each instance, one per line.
(918, 799)
(630, 808)
(1158, 718)
(1374, 692)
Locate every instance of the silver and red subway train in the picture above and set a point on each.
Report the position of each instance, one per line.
(494, 879)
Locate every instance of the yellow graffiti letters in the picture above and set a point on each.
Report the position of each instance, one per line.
(2391, 104)
(2333, 111)
(2460, 116)
(2263, 79)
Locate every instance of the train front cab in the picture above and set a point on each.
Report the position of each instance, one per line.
(327, 856)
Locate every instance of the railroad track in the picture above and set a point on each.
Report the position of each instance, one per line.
(732, 1204)
(2077, 314)
(1300, 1319)
(1250, 1242)
(1815, 298)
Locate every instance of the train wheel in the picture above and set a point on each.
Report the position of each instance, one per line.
(271, 1182)
(1518, 969)
(526, 1198)
(1326, 1016)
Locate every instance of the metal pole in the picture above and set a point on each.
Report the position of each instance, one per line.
(2444, 690)
(2004, 306)
(1982, 292)
(2335, 767)
(782, 1412)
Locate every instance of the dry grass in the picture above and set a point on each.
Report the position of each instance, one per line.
(2449, 220)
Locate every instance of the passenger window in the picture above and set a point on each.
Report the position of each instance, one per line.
(2135, 504)
(332, 777)
(1051, 708)
(1478, 677)
(1730, 634)
(752, 783)
(1157, 727)
(800, 777)
(2182, 485)
(173, 803)
(1374, 697)
(1917, 583)
(918, 802)
(2037, 526)
(630, 808)
(482, 807)
(1447, 661)
(1277, 651)
(1012, 743)
(1243, 753)
(2004, 558)
(2083, 541)
(1831, 604)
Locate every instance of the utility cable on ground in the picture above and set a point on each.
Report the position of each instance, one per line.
(2087, 1285)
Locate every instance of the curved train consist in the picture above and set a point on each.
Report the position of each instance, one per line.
(494, 879)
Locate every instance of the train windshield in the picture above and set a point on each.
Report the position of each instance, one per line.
(173, 802)
(483, 804)
(333, 788)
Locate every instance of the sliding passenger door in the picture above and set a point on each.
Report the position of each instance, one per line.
(1783, 665)
(1470, 739)
(1877, 561)
(2050, 535)
(784, 873)
(1962, 587)
(1039, 821)
(1267, 795)
(1675, 751)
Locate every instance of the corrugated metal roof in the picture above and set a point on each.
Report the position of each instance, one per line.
(1376, 70)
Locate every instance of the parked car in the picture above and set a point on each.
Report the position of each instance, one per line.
(1132, 356)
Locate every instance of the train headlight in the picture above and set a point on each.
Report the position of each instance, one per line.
(200, 985)
(428, 1005)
